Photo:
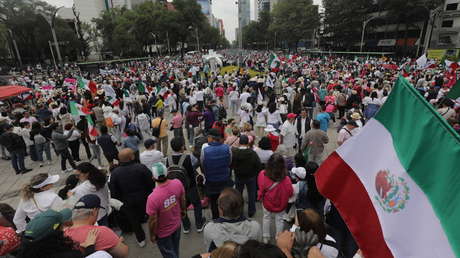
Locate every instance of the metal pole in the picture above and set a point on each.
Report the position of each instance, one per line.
(15, 45)
(362, 37)
(52, 54)
(56, 45)
(420, 40)
(167, 38)
(197, 40)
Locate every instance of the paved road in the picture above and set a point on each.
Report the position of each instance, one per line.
(192, 243)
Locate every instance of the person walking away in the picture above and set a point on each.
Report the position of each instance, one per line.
(24, 131)
(16, 147)
(176, 123)
(261, 120)
(47, 131)
(131, 183)
(39, 142)
(315, 140)
(165, 207)
(302, 124)
(193, 121)
(275, 189)
(288, 135)
(62, 146)
(234, 97)
(108, 145)
(36, 197)
(151, 155)
(246, 166)
(183, 163)
(143, 123)
(160, 131)
(216, 159)
(74, 141)
(132, 141)
(346, 132)
(82, 127)
(323, 118)
(231, 225)
(341, 100)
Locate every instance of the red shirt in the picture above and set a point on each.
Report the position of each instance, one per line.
(274, 199)
(274, 141)
(219, 91)
(105, 240)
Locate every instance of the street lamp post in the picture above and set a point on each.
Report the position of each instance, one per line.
(15, 45)
(51, 21)
(362, 34)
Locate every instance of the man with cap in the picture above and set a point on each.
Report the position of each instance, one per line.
(151, 155)
(302, 124)
(84, 216)
(246, 165)
(165, 207)
(288, 134)
(216, 159)
(323, 118)
(45, 231)
(347, 131)
(131, 183)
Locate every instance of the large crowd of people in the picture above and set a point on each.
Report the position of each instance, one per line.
(166, 135)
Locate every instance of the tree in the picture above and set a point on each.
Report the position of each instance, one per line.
(32, 32)
(257, 33)
(294, 20)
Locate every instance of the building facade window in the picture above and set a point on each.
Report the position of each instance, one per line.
(452, 7)
(447, 23)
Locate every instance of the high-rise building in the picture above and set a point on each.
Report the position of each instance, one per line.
(221, 27)
(259, 6)
(244, 12)
(443, 30)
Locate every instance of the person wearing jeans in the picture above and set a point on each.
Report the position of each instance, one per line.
(165, 207)
(16, 147)
(184, 161)
(61, 145)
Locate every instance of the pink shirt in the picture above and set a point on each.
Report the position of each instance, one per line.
(165, 203)
(105, 240)
(176, 121)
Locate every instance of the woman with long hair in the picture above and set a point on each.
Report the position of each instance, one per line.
(93, 181)
(275, 189)
(37, 197)
(273, 116)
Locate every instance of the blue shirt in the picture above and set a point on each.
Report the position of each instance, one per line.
(323, 119)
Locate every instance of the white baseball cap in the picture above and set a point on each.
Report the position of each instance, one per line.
(51, 179)
(299, 172)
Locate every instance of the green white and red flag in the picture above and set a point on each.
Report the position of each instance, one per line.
(78, 110)
(87, 85)
(396, 184)
(91, 127)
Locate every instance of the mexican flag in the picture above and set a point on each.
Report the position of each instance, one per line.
(78, 110)
(91, 127)
(396, 184)
(454, 92)
(274, 61)
(87, 85)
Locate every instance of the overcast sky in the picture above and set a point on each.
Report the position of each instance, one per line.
(222, 9)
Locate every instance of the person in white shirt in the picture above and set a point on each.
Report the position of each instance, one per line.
(151, 155)
(234, 97)
(347, 131)
(93, 181)
(288, 134)
(37, 197)
(28, 118)
(261, 120)
(273, 116)
(244, 97)
(199, 95)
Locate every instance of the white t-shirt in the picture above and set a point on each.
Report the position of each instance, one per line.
(288, 131)
(274, 118)
(244, 97)
(41, 202)
(234, 95)
(199, 95)
(87, 188)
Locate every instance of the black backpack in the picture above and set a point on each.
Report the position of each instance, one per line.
(177, 171)
(222, 113)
